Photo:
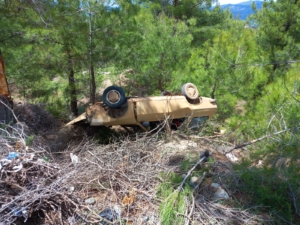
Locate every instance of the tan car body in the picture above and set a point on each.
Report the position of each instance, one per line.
(6, 103)
(148, 109)
(4, 90)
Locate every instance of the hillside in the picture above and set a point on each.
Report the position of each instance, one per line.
(59, 57)
(242, 10)
(135, 179)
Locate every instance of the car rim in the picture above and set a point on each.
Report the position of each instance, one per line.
(113, 96)
(191, 91)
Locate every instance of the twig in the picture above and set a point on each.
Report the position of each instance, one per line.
(254, 141)
(180, 214)
(193, 207)
(99, 217)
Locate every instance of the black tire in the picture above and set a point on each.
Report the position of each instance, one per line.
(190, 91)
(6, 115)
(114, 97)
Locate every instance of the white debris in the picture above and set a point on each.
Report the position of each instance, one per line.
(74, 158)
(232, 157)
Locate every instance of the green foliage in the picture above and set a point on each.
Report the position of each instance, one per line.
(220, 70)
(173, 206)
(102, 135)
(164, 48)
(279, 34)
(172, 209)
(271, 189)
(185, 165)
(173, 203)
(46, 159)
(29, 140)
(253, 73)
(274, 183)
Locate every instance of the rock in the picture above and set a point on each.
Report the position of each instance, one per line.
(215, 185)
(194, 182)
(90, 201)
(107, 214)
(220, 193)
(111, 215)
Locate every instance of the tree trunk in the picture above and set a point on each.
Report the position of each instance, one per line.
(93, 82)
(160, 79)
(72, 86)
(93, 85)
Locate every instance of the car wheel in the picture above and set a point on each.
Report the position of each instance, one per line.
(114, 97)
(190, 91)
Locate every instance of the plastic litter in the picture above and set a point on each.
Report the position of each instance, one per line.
(20, 212)
(17, 212)
(12, 155)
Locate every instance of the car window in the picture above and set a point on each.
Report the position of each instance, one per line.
(197, 122)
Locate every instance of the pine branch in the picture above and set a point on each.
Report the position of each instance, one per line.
(206, 155)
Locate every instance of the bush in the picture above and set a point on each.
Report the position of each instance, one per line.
(35, 117)
(271, 188)
(173, 207)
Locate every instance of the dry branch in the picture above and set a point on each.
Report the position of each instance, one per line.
(123, 174)
(255, 141)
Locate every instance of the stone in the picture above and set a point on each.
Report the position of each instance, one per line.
(110, 215)
(90, 201)
(194, 182)
(219, 193)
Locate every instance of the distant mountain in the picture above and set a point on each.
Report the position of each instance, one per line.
(243, 9)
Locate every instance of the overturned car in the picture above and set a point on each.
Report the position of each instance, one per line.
(188, 110)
